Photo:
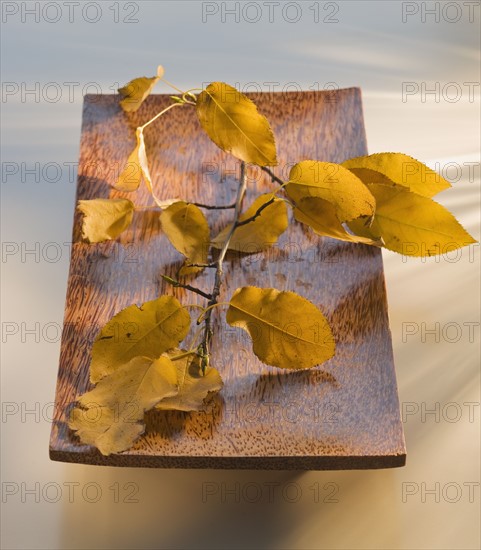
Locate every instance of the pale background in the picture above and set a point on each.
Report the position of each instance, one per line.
(370, 47)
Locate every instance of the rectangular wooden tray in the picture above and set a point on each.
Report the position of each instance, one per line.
(342, 415)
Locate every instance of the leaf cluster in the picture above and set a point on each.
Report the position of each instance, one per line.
(138, 360)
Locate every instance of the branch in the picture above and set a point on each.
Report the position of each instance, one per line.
(256, 215)
(175, 283)
(213, 206)
(204, 347)
(272, 175)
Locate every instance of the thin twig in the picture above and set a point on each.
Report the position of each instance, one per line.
(213, 206)
(204, 347)
(256, 215)
(211, 266)
(272, 175)
(175, 283)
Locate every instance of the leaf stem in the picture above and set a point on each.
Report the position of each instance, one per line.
(172, 86)
(182, 355)
(160, 114)
(208, 308)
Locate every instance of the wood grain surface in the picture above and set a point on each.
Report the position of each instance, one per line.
(341, 415)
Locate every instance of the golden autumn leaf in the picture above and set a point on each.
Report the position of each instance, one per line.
(412, 224)
(320, 215)
(134, 92)
(287, 330)
(193, 386)
(110, 416)
(131, 176)
(232, 122)
(389, 168)
(148, 330)
(333, 183)
(105, 219)
(188, 231)
(136, 168)
(260, 233)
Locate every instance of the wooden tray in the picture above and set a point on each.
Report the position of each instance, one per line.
(342, 415)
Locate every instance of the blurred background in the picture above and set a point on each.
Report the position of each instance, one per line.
(418, 64)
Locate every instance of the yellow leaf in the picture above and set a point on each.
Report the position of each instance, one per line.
(333, 183)
(131, 175)
(148, 330)
(134, 92)
(187, 229)
(105, 219)
(321, 216)
(287, 330)
(389, 168)
(136, 167)
(412, 224)
(232, 122)
(193, 386)
(110, 416)
(259, 233)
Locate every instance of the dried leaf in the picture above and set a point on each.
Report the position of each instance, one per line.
(193, 386)
(321, 216)
(333, 183)
(137, 166)
(105, 219)
(131, 176)
(389, 168)
(259, 233)
(188, 231)
(111, 415)
(232, 122)
(148, 330)
(135, 91)
(287, 330)
(412, 224)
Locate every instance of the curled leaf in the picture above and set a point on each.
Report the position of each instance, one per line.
(232, 122)
(287, 330)
(137, 167)
(412, 224)
(193, 386)
(333, 183)
(188, 231)
(105, 219)
(134, 92)
(320, 215)
(131, 176)
(110, 416)
(390, 168)
(148, 330)
(260, 233)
